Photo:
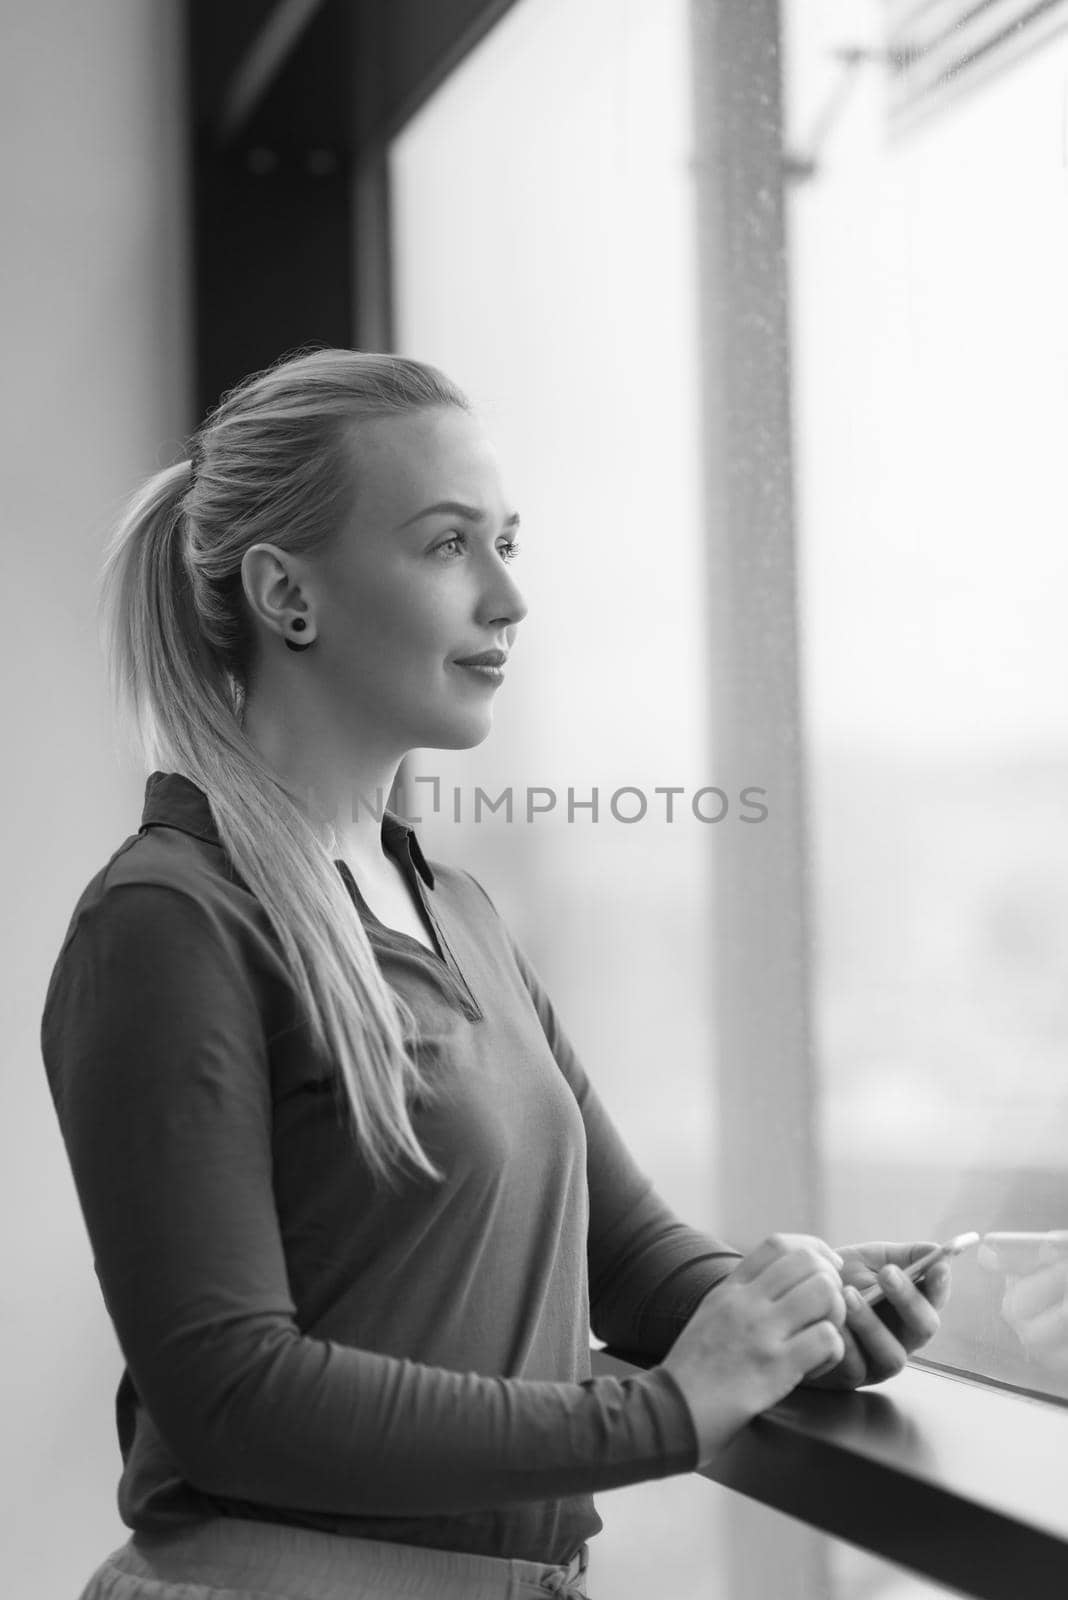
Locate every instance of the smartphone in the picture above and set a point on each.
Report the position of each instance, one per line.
(1021, 1252)
(918, 1270)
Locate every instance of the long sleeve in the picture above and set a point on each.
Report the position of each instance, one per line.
(648, 1270)
(156, 1050)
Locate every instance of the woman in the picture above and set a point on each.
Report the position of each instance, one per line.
(353, 1201)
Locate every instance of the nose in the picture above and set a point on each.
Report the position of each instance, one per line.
(502, 599)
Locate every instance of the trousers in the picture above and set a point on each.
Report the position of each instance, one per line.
(232, 1558)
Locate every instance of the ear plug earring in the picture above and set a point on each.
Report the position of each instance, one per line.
(298, 625)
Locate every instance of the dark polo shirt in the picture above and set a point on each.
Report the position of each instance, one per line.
(411, 1366)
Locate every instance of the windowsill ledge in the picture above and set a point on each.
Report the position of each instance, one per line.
(956, 1480)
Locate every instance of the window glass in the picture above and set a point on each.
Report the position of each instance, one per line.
(928, 248)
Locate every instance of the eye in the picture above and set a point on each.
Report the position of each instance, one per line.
(509, 549)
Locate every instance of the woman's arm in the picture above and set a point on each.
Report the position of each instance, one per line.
(649, 1271)
(153, 1039)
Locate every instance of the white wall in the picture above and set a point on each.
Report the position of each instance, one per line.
(96, 393)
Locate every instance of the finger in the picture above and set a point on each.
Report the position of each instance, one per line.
(816, 1346)
(810, 1241)
(850, 1370)
(756, 1261)
(1031, 1295)
(859, 1274)
(935, 1286)
(878, 1253)
(920, 1319)
(796, 1267)
(890, 1254)
(817, 1299)
(884, 1355)
(776, 1247)
(865, 1261)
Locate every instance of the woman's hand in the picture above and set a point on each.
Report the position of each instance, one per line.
(876, 1349)
(752, 1339)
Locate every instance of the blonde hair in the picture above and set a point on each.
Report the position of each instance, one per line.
(273, 463)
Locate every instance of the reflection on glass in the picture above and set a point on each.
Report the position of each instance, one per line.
(1033, 1273)
(928, 266)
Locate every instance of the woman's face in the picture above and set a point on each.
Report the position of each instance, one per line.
(408, 587)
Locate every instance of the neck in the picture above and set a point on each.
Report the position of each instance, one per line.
(341, 792)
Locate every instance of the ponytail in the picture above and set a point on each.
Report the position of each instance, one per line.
(177, 637)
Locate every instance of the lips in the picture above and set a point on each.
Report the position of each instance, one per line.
(485, 658)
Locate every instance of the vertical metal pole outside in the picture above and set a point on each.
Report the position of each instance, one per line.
(768, 1173)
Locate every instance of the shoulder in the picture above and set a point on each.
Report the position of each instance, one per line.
(163, 944)
(165, 886)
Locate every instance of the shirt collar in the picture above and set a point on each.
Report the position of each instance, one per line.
(175, 801)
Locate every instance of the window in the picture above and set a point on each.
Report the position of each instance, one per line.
(928, 260)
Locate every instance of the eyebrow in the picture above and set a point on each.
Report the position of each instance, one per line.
(456, 508)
